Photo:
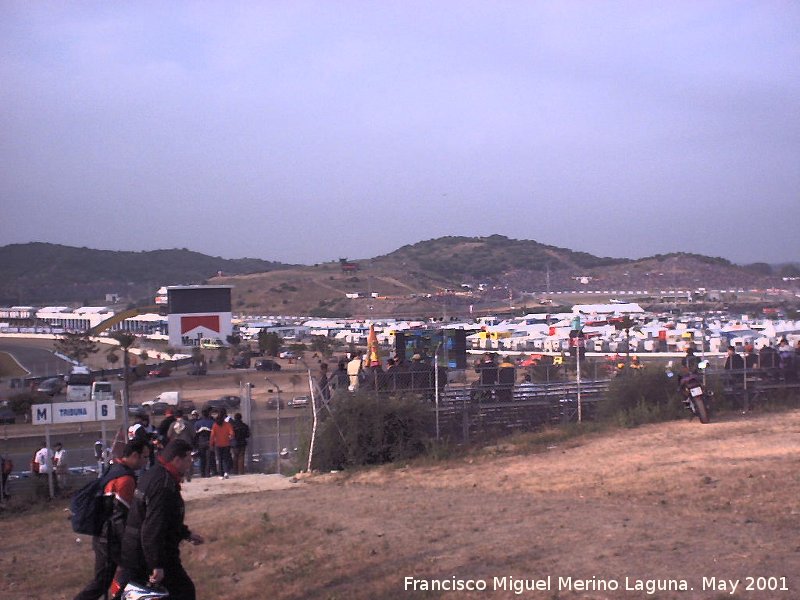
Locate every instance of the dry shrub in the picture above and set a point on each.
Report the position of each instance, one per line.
(367, 429)
(636, 398)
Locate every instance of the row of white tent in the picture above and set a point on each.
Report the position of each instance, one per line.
(551, 333)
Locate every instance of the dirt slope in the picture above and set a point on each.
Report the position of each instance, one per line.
(668, 504)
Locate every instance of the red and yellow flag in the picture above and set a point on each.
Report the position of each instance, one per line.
(373, 354)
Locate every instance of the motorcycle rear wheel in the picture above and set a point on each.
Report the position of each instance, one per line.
(702, 409)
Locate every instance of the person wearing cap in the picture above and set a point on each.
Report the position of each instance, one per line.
(182, 429)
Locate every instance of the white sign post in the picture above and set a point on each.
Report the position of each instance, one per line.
(70, 412)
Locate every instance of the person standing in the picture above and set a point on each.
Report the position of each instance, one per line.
(163, 427)
(220, 441)
(354, 372)
(182, 428)
(117, 498)
(143, 430)
(506, 377)
(241, 433)
(41, 465)
(155, 526)
(201, 441)
(6, 466)
(60, 469)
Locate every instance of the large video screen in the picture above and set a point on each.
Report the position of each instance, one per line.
(199, 300)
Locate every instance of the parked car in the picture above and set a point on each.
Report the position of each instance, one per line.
(7, 416)
(159, 408)
(240, 362)
(299, 401)
(274, 403)
(198, 369)
(226, 402)
(267, 364)
(162, 371)
(134, 410)
(287, 354)
(51, 386)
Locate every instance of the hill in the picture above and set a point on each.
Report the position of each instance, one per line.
(42, 273)
(426, 279)
(446, 275)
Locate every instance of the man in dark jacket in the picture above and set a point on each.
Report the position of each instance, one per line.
(155, 528)
(117, 497)
(201, 441)
(241, 433)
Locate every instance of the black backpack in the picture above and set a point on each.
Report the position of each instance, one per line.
(88, 505)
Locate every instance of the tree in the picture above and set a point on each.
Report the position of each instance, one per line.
(222, 356)
(759, 268)
(234, 340)
(112, 358)
(790, 271)
(269, 343)
(125, 339)
(321, 344)
(77, 346)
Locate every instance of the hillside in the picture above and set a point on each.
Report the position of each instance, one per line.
(42, 273)
(476, 258)
(422, 279)
(425, 279)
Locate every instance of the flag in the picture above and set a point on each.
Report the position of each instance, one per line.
(373, 355)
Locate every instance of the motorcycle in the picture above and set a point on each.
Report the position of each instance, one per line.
(695, 398)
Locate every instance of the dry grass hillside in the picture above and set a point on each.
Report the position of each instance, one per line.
(675, 504)
(321, 290)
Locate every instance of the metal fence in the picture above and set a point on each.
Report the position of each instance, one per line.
(462, 413)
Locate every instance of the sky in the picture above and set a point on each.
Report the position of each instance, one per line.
(306, 131)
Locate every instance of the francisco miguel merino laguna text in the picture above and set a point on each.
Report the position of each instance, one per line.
(522, 585)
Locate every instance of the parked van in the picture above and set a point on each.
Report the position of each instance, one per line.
(79, 384)
(101, 390)
(171, 398)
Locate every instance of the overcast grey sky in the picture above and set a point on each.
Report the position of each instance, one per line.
(306, 131)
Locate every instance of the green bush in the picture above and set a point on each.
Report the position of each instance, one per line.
(367, 429)
(641, 397)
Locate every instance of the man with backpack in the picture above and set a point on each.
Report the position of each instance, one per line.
(118, 487)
